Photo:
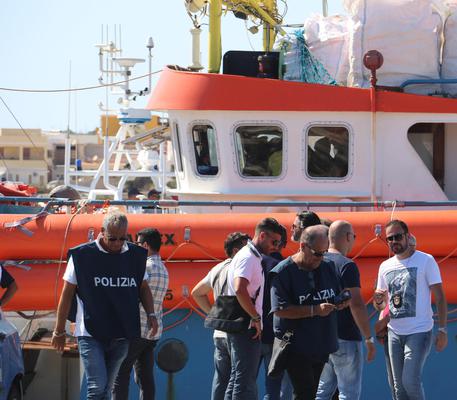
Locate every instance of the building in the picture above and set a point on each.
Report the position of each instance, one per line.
(24, 156)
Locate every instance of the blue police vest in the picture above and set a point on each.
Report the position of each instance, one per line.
(109, 287)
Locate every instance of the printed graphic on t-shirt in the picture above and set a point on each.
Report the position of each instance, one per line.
(403, 292)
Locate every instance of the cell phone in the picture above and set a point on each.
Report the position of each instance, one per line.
(342, 297)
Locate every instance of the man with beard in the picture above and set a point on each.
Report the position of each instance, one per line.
(405, 282)
(245, 281)
(303, 220)
(216, 281)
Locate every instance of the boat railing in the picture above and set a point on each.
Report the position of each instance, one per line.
(176, 204)
(446, 81)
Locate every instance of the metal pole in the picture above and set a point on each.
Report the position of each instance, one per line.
(214, 36)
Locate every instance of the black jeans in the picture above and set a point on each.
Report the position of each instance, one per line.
(141, 358)
(304, 373)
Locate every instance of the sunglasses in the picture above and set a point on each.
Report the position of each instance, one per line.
(397, 237)
(115, 239)
(275, 242)
(316, 253)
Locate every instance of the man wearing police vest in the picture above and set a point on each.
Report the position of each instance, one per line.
(108, 278)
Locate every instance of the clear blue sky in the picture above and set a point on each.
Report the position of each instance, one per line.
(39, 38)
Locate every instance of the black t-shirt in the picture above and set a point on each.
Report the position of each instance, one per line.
(7, 279)
(314, 337)
(350, 277)
(268, 263)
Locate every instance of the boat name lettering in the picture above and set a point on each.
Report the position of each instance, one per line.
(324, 294)
(114, 282)
(168, 239)
(169, 295)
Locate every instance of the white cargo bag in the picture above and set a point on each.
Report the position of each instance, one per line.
(406, 32)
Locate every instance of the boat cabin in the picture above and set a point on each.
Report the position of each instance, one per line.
(239, 138)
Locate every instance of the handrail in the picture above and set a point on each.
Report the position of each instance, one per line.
(183, 203)
(427, 82)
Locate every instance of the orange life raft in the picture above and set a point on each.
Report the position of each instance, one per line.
(193, 243)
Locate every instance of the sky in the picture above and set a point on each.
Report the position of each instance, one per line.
(42, 40)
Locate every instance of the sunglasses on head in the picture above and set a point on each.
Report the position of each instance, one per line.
(115, 239)
(316, 253)
(397, 237)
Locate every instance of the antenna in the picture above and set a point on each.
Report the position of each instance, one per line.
(325, 8)
(149, 46)
(69, 100)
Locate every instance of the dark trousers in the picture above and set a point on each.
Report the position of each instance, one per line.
(304, 374)
(141, 358)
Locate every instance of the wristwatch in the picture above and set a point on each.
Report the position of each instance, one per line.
(369, 339)
(442, 329)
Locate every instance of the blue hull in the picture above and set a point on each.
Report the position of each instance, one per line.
(194, 381)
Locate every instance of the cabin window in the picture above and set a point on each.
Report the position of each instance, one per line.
(260, 150)
(9, 153)
(177, 147)
(328, 149)
(428, 141)
(33, 153)
(204, 140)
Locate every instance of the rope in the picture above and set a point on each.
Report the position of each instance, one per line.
(77, 89)
(394, 205)
(366, 245)
(191, 306)
(67, 230)
(175, 324)
(446, 257)
(196, 245)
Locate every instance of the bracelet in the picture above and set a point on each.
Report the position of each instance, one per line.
(151, 314)
(312, 311)
(59, 334)
(369, 339)
(256, 319)
(442, 329)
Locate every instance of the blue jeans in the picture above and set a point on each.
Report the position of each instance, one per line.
(141, 357)
(278, 388)
(407, 357)
(390, 378)
(245, 356)
(101, 360)
(222, 368)
(343, 370)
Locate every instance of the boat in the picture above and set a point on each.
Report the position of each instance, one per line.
(247, 145)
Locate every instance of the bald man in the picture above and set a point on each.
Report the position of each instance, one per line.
(303, 290)
(344, 367)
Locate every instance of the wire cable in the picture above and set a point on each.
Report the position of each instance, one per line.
(78, 89)
(48, 166)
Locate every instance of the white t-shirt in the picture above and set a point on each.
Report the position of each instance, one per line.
(70, 277)
(210, 280)
(408, 283)
(247, 264)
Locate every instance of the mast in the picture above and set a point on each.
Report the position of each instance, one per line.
(214, 36)
(325, 8)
